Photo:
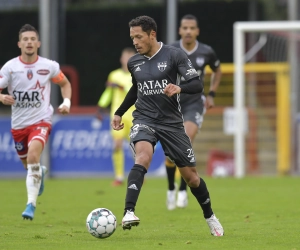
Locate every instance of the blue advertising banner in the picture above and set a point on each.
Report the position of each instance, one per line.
(79, 146)
(82, 146)
(10, 164)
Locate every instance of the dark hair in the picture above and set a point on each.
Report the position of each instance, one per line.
(190, 17)
(147, 23)
(28, 27)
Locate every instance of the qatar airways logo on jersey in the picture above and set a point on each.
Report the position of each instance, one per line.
(152, 87)
(31, 98)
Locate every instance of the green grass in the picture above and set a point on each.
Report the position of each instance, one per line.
(256, 213)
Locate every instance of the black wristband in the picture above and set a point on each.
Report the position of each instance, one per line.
(212, 93)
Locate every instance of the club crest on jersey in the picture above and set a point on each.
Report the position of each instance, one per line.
(200, 61)
(29, 74)
(162, 66)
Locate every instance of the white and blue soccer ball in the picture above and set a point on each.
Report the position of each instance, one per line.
(101, 223)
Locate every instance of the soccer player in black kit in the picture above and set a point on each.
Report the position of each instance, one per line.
(193, 106)
(156, 71)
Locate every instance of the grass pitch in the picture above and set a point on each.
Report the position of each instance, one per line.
(256, 213)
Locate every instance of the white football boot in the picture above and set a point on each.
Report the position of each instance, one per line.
(182, 199)
(44, 171)
(215, 226)
(171, 199)
(130, 220)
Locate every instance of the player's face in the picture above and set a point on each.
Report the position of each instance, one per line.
(29, 43)
(188, 31)
(141, 40)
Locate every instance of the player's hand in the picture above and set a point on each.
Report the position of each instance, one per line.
(209, 102)
(100, 114)
(64, 110)
(7, 99)
(116, 123)
(172, 89)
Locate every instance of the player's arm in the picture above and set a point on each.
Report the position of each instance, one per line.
(104, 101)
(66, 91)
(186, 69)
(6, 99)
(4, 78)
(215, 79)
(129, 100)
(214, 84)
(105, 98)
(114, 85)
(194, 86)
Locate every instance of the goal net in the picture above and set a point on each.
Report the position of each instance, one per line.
(284, 104)
(259, 92)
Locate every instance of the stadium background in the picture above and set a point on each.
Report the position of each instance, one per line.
(91, 35)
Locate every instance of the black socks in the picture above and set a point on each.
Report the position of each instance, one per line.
(135, 182)
(171, 176)
(183, 184)
(202, 195)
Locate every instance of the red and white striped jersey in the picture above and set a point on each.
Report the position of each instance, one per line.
(30, 86)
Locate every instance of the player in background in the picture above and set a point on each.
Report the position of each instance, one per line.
(117, 85)
(28, 80)
(155, 72)
(193, 107)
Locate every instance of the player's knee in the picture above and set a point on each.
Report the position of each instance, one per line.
(33, 157)
(193, 181)
(118, 145)
(118, 148)
(143, 159)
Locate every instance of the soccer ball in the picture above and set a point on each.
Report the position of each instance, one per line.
(101, 223)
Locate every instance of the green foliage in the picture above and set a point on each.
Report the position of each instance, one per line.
(256, 213)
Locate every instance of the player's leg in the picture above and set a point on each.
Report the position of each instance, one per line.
(199, 190)
(191, 129)
(118, 161)
(118, 156)
(171, 193)
(33, 178)
(24, 162)
(191, 125)
(37, 139)
(193, 118)
(143, 157)
(142, 142)
(20, 137)
(178, 147)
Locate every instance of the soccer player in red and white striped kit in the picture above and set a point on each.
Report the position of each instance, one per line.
(28, 80)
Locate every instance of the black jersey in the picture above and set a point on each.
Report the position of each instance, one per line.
(201, 56)
(151, 76)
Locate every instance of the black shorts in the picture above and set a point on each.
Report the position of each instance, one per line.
(194, 112)
(176, 145)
